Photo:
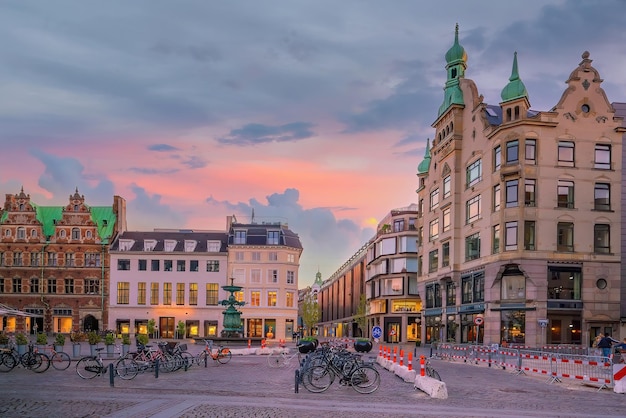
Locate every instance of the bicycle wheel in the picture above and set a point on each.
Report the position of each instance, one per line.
(224, 356)
(7, 362)
(201, 358)
(60, 361)
(365, 379)
(275, 360)
(30, 361)
(317, 379)
(188, 359)
(126, 368)
(88, 367)
(42, 361)
(430, 372)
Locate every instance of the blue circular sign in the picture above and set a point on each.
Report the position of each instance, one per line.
(377, 332)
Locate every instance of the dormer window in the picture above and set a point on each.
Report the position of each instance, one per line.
(126, 244)
(190, 246)
(76, 208)
(149, 244)
(170, 245)
(273, 237)
(21, 207)
(240, 237)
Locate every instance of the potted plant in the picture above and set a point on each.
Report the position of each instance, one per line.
(180, 329)
(362, 345)
(93, 338)
(142, 339)
(21, 341)
(151, 327)
(59, 342)
(109, 341)
(308, 344)
(125, 344)
(4, 340)
(76, 338)
(42, 339)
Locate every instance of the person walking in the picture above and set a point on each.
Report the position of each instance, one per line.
(605, 344)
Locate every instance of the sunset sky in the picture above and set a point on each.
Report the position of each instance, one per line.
(315, 113)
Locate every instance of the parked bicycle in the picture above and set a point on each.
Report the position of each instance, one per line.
(282, 358)
(59, 359)
(34, 360)
(147, 358)
(220, 355)
(92, 366)
(430, 371)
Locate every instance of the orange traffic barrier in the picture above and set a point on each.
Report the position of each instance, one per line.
(395, 352)
(422, 366)
(263, 343)
(249, 342)
(380, 350)
(401, 357)
(410, 365)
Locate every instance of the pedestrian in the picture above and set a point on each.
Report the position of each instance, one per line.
(605, 344)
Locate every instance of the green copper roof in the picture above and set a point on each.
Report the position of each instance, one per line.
(105, 218)
(457, 52)
(48, 215)
(3, 216)
(516, 88)
(318, 278)
(425, 164)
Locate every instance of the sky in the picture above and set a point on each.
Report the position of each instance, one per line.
(313, 113)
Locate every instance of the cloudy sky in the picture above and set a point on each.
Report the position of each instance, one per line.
(315, 113)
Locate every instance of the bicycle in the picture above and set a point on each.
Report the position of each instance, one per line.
(35, 361)
(221, 355)
(430, 371)
(282, 358)
(91, 366)
(146, 358)
(59, 359)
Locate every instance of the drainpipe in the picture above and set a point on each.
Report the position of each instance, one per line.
(41, 284)
(102, 286)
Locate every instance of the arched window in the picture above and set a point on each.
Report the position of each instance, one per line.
(62, 233)
(21, 232)
(75, 233)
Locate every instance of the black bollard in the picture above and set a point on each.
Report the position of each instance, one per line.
(156, 369)
(111, 375)
(297, 381)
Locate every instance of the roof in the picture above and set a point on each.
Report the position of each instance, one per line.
(256, 234)
(201, 238)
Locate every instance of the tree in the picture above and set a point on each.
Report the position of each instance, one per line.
(311, 311)
(361, 314)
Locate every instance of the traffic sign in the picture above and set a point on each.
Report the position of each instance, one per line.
(478, 320)
(377, 332)
(392, 332)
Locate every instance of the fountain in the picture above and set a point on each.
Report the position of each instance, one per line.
(232, 317)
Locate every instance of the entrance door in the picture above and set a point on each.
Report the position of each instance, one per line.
(90, 323)
(393, 332)
(167, 326)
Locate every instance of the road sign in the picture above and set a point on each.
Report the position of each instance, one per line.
(478, 320)
(377, 332)
(392, 332)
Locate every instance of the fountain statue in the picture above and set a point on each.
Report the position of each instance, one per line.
(232, 317)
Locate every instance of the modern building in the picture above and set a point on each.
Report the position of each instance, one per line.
(54, 263)
(264, 259)
(168, 276)
(521, 211)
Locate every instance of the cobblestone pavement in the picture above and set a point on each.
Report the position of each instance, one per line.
(247, 387)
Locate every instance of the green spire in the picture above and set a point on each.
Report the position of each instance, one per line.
(456, 63)
(516, 88)
(425, 164)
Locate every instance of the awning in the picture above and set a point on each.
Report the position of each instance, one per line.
(6, 310)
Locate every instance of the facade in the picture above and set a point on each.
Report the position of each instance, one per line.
(264, 259)
(169, 276)
(54, 263)
(520, 213)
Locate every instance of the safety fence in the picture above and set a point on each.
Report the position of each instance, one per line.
(556, 365)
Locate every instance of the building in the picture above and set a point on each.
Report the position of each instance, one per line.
(520, 211)
(171, 277)
(54, 263)
(264, 259)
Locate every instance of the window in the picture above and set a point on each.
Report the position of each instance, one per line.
(291, 258)
(123, 290)
(193, 265)
(180, 293)
(289, 299)
(69, 260)
(35, 259)
(272, 276)
(169, 245)
(272, 256)
(21, 233)
(497, 198)
(511, 193)
(472, 247)
(34, 284)
(529, 235)
(273, 237)
(530, 189)
(513, 285)
(17, 285)
(565, 194)
(433, 295)
(601, 238)
(92, 260)
(434, 199)
(62, 233)
(433, 261)
(180, 265)
(154, 293)
(512, 152)
(193, 294)
(603, 157)
(239, 256)
(167, 293)
(75, 233)
(92, 286)
(167, 265)
(450, 294)
(495, 239)
(497, 158)
(52, 286)
(447, 219)
(213, 265)
(565, 236)
(123, 264)
(69, 286)
(155, 265)
(564, 283)
(141, 293)
(474, 173)
(445, 254)
(447, 190)
(17, 259)
(602, 196)
(1, 285)
(291, 277)
(143, 265)
(398, 225)
(510, 239)
(256, 256)
(566, 154)
(472, 209)
(433, 231)
(88, 235)
(213, 246)
(255, 298)
(271, 298)
(473, 287)
(255, 276)
(531, 151)
(52, 259)
(240, 237)
(212, 294)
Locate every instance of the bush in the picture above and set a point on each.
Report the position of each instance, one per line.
(125, 339)
(142, 339)
(109, 339)
(4, 339)
(93, 337)
(42, 339)
(59, 339)
(20, 339)
(78, 336)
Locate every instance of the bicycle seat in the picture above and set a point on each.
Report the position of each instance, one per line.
(99, 348)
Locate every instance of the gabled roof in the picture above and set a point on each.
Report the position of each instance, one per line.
(201, 238)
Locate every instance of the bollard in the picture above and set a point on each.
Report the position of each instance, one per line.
(395, 352)
(297, 380)
(249, 342)
(401, 358)
(263, 343)
(380, 350)
(410, 365)
(156, 369)
(111, 375)
(422, 366)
